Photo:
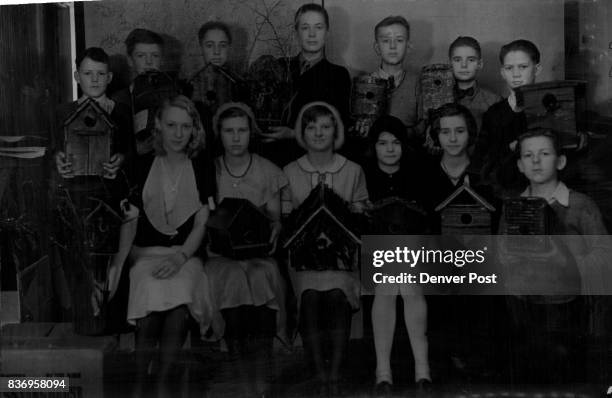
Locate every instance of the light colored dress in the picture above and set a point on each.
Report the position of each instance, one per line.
(166, 222)
(347, 180)
(254, 281)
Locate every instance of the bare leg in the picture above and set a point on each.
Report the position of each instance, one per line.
(383, 326)
(415, 315)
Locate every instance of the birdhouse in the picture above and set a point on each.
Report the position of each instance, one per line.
(557, 105)
(215, 85)
(321, 234)
(528, 216)
(88, 134)
(397, 216)
(369, 97)
(150, 90)
(465, 212)
(437, 84)
(238, 229)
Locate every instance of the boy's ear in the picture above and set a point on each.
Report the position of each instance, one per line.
(480, 64)
(77, 78)
(376, 47)
(538, 69)
(561, 162)
(109, 75)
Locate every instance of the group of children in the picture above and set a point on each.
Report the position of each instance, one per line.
(483, 140)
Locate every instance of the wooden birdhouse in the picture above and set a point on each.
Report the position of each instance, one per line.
(437, 84)
(150, 90)
(397, 216)
(88, 135)
(321, 234)
(557, 105)
(529, 216)
(465, 212)
(214, 85)
(238, 229)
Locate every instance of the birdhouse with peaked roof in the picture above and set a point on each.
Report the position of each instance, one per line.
(321, 234)
(465, 212)
(397, 216)
(88, 134)
(238, 229)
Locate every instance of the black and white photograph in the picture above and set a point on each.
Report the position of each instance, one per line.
(306, 198)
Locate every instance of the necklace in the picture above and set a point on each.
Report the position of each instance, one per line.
(238, 177)
(173, 182)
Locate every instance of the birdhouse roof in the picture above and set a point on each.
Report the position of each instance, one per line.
(397, 200)
(322, 200)
(465, 188)
(87, 104)
(218, 220)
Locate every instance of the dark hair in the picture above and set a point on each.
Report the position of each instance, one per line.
(393, 20)
(308, 7)
(144, 36)
(520, 45)
(214, 25)
(94, 53)
(311, 114)
(539, 132)
(453, 109)
(233, 112)
(465, 41)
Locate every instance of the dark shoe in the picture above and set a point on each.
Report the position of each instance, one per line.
(424, 386)
(383, 389)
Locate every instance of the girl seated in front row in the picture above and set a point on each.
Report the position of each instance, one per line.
(391, 174)
(248, 295)
(168, 285)
(326, 298)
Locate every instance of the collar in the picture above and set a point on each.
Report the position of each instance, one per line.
(335, 165)
(105, 103)
(308, 64)
(560, 195)
(397, 77)
(467, 93)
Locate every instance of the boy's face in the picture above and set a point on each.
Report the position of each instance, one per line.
(388, 149)
(145, 57)
(312, 32)
(93, 77)
(319, 135)
(519, 69)
(235, 135)
(466, 63)
(391, 44)
(539, 161)
(453, 136)
(215, 45)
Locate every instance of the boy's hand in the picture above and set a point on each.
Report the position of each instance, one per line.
(512, 145)
(276, 133)
(63, 165)
(111, 168)
(362, 127)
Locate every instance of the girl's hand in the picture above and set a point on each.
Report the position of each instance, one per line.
(276, 228)
(170, 265)
(63, 165)
(112, 166)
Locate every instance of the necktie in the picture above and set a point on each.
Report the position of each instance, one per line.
(391, 82)
(460, 94)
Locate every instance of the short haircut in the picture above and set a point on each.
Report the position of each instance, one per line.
(453, 109)
(214, 25)
(539, 132)
(231, 113)
(520, 45)
(465, 41)
(94, 53)
(308, 7)
(311, 114)
(143, 36)
(198, 137)
(392, 20)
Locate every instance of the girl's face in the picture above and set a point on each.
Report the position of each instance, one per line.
(176, 128)
(453, 135)
(235, 135)
(388, 149)
(319, 135)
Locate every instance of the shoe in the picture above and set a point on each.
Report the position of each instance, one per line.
(383, 389)
(424, 386)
